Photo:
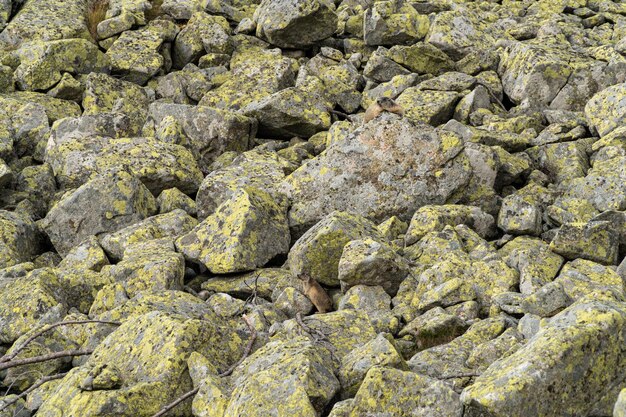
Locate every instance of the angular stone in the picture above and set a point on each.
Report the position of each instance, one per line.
(174, 199)
(368, 262)
(456, 34)
(421, 58)
(597, 241)
(393, 23)
(396, 393)
(202, 31)
(607, 109)
(428, 106)
(42, 64)
(20, 239)
(135, 56)
(157, 164)
(244, 233)
(210, 131)
(87, 255)
(318, 252)
(564, 370)
(295, 24)
(385, 168)
(106, 203)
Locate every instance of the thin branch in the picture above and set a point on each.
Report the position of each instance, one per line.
(33, 387)
(317, 335)
(178, 400)
(468, 375)
(43, 358)
(7, 358)
(246, 352)
(227, 372)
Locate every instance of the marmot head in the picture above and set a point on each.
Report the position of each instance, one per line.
(386, 102)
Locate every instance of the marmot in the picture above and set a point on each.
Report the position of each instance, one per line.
(314, 292)
(380, 105)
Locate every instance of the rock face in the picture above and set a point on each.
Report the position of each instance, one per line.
(377, 172)
(342, 208)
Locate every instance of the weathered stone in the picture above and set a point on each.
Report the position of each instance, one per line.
(596, 241)
(455, 33)
(203, 33)
(377, 172)
(42, 64)
(244, 233)
(106, 203)
(295, 24)
(135, 56)
(20, 240)
(607, 109)
(174, 199)
(428, 106)
(157, 164)
(87, 255)
(392, 23)
(574, 355)
(368, 262)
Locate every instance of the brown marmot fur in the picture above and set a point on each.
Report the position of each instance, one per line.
(314, 292)
(380, 105)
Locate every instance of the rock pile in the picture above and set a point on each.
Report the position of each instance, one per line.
(173, 172)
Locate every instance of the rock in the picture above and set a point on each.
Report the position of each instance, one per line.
(112, 125)
(210, 132)
(318, 252)
(264, 281)
(106, 203)
(158, 165)
(354, 366)
(42, 64)
(392, 23)
(104, 94)
(434, 218)
(44, 20)
(26, 303)
(55, 108)
(295, 24)
(606, 109)
(376, 303)
(20, 239)
(421, 58)
(435, 327)
(519, 216)
(399, 393)
(368, 262)
(259, 169)
(203, 34)
(382, 182)
(381, 68)
(560, 351)
(596, 241)
(135, 56)
(455, 33)
(169, 225)
(162, 342)
(296, 111)
(87, 255)
(244, 233)
(174, 199)
(68, 88)
(427, 106)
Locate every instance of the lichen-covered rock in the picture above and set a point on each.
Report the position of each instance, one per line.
(87, 255)
(368, 262)
(77, 288)
(174, 199)
(265, 281)
(295, 23)
(113, 125)
(210, 131)
(376, 303)
(168, 225)
(106, 203)
(428, 106)
(244, 233)
(606, 109)
(45, 20)
(161, 343)
(42, 63)
(27, 302)
(434, 218)
(567, 368)
(104, 94)
(20, 239)
(421, 58)
(55, 108)
(455, 33)
(388, 167)
(157, 164)
(391, 23)
(396, 393)
(135, 56)
(259, 169)
(296, 111)
(354, 366)
(203, 34)
(596, 241)
(318, 252)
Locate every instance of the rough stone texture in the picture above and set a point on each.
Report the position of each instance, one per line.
(363, 168)
(557, 357)
(244, 233)
(295, 23)
(20, 239)
(106, 203)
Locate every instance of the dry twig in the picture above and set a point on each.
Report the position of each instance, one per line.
(174, 403)
(7, 358)
(43, 358)
(33, 387)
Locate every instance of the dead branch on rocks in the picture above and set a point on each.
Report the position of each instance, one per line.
(174, 403)
(44, 358)
(317, 335)
(33, 387)
(9, 357)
